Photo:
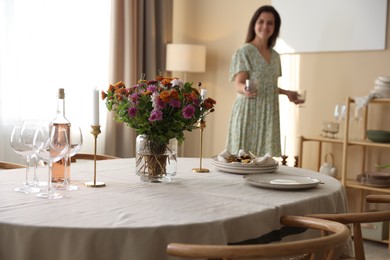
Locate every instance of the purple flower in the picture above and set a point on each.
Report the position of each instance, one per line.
(152, 88)
(188, 112)
(134, 97)
(155, 115)
(132, 111)
(175, 103)
(157, 103)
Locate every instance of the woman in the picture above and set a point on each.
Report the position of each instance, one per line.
(254, 124)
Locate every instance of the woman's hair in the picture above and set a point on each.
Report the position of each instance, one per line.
(251, 29)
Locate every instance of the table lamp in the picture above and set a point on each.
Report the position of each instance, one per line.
(186, 58)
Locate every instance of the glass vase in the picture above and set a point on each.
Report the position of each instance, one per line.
(155, 162)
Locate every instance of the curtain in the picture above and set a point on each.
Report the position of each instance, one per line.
(140, 30)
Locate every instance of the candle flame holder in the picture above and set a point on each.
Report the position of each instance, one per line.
(201, 125)
(94, 184)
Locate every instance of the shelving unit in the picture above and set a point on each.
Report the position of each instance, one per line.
(364, 143)
(346, 143)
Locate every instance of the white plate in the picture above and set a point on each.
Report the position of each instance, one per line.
(246, 170)
(243, 168)
(281, 181)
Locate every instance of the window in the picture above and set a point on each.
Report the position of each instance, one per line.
(46, 45)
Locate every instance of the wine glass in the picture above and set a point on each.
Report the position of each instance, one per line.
(23, 146)
(52, 144)
(339, 115)
(75, 143)
(301, 97)
(29, 128)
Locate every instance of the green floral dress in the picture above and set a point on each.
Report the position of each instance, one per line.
(254, 123)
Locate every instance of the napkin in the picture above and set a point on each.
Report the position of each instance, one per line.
(264, 161)
(361, 102)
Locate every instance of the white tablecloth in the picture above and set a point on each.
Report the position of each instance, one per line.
(130, 219)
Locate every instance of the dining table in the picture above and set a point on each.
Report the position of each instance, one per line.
(132, 219)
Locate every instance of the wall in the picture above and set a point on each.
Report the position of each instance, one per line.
(328, 77)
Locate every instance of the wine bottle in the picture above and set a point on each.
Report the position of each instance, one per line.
(60, 122)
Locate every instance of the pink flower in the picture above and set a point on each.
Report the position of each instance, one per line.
(132, 111)
(152, 88)
(157, 103)
(177, 82)
(188, 112)
(175, 103)
(155, 115)
(134, 97)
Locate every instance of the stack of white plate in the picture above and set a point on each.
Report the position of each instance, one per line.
(375, 179)
(382, 86)
(243, 168)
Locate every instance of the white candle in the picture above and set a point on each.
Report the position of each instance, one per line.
(203, 93)
(284, 146)
(95, 107)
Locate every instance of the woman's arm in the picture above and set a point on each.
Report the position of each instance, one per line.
(293, 96)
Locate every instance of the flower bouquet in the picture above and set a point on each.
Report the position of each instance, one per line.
(159, 110)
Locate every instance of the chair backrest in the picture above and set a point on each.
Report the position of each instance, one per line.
(378, 198)
(356, 219)
(325, 245)
(89, 156)
(9, 165)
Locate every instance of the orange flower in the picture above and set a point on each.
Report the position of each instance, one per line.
(111, 88)
(103, 95)
(209, 103)
(120, 84)
(174, 94)
(165, 96)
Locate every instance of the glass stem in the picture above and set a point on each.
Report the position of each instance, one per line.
(27, 171)
(35, 180)
(66, 183)
(49, 188)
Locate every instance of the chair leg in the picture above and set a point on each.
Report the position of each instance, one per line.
(358, 242)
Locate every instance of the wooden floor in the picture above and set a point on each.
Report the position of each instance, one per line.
(376, 250)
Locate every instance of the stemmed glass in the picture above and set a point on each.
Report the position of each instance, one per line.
(29, 128)
(339, 115)
(75, 143)
(52, 145)
(23, 146)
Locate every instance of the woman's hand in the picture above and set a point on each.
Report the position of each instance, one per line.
(239, 81)
(293, 96)
(249, 94)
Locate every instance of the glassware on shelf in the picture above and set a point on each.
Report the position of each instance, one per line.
(52, 145)
(329, 127)
(356, 125)
(22, 144)
(339, 115)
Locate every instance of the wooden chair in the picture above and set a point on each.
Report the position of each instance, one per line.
(9, 165)
(378, 198)
(356, 219)
(89, 156)
(338, 236)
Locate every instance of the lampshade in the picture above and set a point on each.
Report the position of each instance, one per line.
(186, 57)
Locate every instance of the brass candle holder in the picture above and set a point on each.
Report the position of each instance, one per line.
(201, 125)
(95, 132)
